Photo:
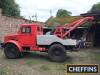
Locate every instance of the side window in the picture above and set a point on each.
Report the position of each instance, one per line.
(26, 29)
(38, 28)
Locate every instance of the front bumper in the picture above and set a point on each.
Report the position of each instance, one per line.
(2, 45)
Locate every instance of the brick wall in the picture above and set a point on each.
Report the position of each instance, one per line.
(9, 25)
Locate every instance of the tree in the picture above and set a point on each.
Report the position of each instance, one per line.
(62, 18)
(10, 8)
(95, 8)
(61, 13)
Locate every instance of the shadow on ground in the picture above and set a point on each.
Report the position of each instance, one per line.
(43, 56)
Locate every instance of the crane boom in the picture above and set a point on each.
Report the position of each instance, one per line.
(60, 30)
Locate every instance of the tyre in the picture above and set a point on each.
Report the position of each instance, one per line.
(11, 51)
(57, 53)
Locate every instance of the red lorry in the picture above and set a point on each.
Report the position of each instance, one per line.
(30, 37)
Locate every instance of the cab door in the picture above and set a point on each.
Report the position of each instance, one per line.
(26, 37)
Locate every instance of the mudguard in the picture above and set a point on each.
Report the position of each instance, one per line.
(15, 43)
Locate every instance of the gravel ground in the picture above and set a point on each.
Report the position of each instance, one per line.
(37, 63)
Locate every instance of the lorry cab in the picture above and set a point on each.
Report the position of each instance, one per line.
(28, 33)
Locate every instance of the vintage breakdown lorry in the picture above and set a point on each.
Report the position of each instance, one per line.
(31, 37)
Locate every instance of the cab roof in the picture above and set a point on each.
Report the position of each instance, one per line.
(33, 24)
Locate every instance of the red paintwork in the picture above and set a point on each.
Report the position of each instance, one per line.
(25, 39)
(16, 43)
(59, 31)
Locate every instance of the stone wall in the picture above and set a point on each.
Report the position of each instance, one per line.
(9, 25)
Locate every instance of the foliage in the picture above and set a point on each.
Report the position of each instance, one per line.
(61, 13)
(63, 17)
(60, 18)
(10, 8)
(95, 8)
(53, 21)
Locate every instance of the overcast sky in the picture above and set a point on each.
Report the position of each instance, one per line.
(43, 7)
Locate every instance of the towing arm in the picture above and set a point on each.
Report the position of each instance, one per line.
(60, 30)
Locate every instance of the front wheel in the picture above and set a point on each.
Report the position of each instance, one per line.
(57, 53)
(11, 51)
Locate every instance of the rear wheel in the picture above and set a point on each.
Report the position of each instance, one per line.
(11, 51)
(57, 53)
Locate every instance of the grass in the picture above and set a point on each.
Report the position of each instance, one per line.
(33, 61)
(3, 71)
(97, 57)
(38, 63)
(30, 62)
(45, 67)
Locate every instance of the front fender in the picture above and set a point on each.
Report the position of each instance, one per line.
(15, 43)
